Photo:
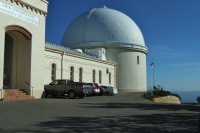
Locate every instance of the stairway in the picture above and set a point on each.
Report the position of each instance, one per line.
(15, 94)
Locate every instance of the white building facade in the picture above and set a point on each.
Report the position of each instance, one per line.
(22, 38)
(27, 62)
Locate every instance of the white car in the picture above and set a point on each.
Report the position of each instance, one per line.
(115, 91)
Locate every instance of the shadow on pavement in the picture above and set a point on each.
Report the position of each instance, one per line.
(157, 123)
(149, 123)
(146, 106)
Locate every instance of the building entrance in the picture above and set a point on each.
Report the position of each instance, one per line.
(8, 51)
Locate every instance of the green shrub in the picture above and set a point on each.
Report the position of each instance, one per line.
(148, 95)
(161, 93)
(198, 99)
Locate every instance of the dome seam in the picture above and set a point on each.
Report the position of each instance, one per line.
(85, 23)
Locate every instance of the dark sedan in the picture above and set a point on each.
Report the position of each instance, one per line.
(107, 90)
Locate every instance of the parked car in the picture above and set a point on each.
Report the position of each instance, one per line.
(109, 90)
(91, 89)
(96, 89)
(102, 91)
(88, 89)
(64, 87)
(115, 91)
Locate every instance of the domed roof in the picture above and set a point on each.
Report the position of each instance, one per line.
(102, 27)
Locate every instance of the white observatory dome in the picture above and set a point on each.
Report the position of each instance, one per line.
(103, 27)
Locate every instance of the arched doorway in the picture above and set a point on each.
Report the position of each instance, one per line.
(17, 56)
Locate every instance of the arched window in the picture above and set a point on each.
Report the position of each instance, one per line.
(99, 77)
(93, 76)
(53, 71)
(110, 78)
(71, 73)
(80, 74)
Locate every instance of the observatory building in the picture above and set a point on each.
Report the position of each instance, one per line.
(119, 39)
(101, 45)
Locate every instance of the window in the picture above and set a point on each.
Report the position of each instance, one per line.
(93, 76)
(8, 57)
(110, 78)
(80, 74)
(71, 73)
(69, 82)
(99, 77)
(61, 82)
(55, 82)
(138, 60)
(53, 71)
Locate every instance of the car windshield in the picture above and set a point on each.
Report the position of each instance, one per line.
(55, 82)
(96, 85)
(104, 87)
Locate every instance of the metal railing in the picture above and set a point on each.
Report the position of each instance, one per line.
(30, 87)
(2, 91)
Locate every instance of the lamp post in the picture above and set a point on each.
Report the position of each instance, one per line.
(152, 65)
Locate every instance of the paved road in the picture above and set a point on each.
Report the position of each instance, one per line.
(125, 112)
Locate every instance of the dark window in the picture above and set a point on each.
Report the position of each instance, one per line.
(53, 72)
(138, 60)
(99, 77)
(61, 82)
(70, 82)
(93, 76)
(80, 74)
(7, 78)
(110, 78)
(71, 73)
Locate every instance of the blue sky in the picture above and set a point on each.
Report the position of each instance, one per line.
(171, 30)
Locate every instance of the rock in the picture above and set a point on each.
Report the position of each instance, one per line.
(167, 99)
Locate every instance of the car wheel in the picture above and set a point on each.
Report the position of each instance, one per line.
(46, 93)
(100, 94)
(71, 94)
(54, 95)
(94, 94)
(81, 96)
(62, 95)
(107, 93)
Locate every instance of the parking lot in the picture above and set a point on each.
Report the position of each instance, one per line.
(124, 112)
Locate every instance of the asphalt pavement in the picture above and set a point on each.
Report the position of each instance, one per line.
(124, 112)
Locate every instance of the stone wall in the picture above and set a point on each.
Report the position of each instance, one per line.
(167, 99)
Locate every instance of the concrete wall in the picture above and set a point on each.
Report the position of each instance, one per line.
(131, 75)
(2, 37)
(35, 45)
